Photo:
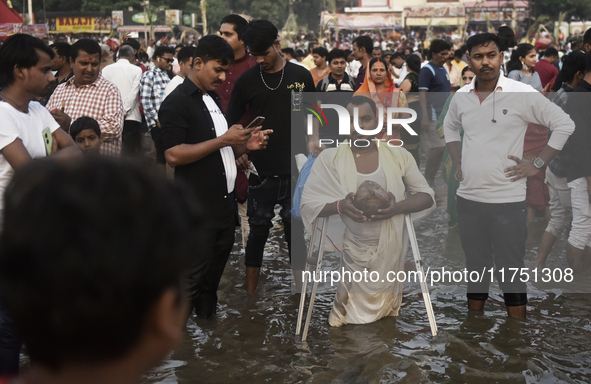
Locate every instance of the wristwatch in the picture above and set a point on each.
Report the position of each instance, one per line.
(539, 163)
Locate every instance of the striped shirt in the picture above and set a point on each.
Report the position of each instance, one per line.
(100, 100)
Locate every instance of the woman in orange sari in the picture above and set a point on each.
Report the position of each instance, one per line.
(379, 86)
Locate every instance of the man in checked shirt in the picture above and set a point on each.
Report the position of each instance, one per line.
(152, 86)
(88, 93)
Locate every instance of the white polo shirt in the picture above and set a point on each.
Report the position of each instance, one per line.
(487, 144)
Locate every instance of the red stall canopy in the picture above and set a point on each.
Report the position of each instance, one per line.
(8, 14)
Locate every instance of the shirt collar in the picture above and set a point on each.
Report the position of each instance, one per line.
(566, 87)
(99, 80)
(501, 83)
(192, 88)
(242, 59)
(123, 61)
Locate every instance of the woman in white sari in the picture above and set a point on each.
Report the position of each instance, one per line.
(375, 243)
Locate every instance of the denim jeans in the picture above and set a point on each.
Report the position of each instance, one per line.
(494, 235)
(261, 210)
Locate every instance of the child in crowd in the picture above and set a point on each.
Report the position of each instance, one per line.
(87, 134)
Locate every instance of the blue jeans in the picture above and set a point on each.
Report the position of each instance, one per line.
(261, 210)
(494, 235)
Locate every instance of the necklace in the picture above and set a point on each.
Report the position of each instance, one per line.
(282, 73)
(358, 154)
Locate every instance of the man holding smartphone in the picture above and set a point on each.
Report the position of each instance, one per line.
(202, 149)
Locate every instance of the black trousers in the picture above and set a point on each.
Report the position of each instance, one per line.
(10, 346)
(206, 269)
(131, 139)
(494, 235)
(261, 210)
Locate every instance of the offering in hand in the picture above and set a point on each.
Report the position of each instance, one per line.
(370, 197)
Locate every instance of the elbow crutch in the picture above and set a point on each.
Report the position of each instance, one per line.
(315, 284)
(419, 265)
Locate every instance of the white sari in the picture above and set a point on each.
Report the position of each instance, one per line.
(333, 176)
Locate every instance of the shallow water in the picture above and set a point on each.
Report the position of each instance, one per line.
(251, 339)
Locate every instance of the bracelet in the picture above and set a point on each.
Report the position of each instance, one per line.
(339, 207)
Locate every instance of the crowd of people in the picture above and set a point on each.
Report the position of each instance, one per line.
(94, 243)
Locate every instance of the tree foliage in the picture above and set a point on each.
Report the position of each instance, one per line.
(579, 9)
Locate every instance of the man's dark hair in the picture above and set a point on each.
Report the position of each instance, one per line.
(126, 51)
(396, 55)
(186, 54)
(289, 51)
(132, 43)
(572, 63)
(364, 42)
(587, 37)
(483, 39)
(336, 54)
(360, 100)
(506, 38)
(82, 123)
(141, 55)
(213, 47)
(439, 45)
(377, 49)
(238, 22)
(413, 62)
(588, 61)
(86, 45)
(311, 45)
(162, 50)
(20, 50)
(62, 49)
(259, 35)
(550, 52)
(89, 247)
(301, 53)
(459, 53)
(320, 51)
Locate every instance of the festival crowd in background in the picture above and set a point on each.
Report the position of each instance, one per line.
(187, 110)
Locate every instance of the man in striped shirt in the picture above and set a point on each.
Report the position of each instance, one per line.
(152, 86)
(88, 93)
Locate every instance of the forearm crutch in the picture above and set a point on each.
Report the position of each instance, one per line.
(418, 263)
(315, 283)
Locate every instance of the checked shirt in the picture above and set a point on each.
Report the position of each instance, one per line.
(152, 86)
(100, 100)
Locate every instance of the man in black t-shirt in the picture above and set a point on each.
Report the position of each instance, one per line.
(268, 90)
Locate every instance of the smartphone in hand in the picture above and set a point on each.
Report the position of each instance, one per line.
(256, 122)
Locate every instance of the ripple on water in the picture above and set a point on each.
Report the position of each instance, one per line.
(251, 339)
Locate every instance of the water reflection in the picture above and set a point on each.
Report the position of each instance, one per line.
(251, 339)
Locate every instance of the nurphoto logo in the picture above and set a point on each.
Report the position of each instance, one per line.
(345, 121)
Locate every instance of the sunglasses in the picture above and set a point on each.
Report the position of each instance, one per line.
(167, 60)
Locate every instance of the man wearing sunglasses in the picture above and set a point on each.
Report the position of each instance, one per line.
(152, 86)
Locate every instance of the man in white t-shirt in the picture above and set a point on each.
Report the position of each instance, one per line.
(494, 112)
(28, 131)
